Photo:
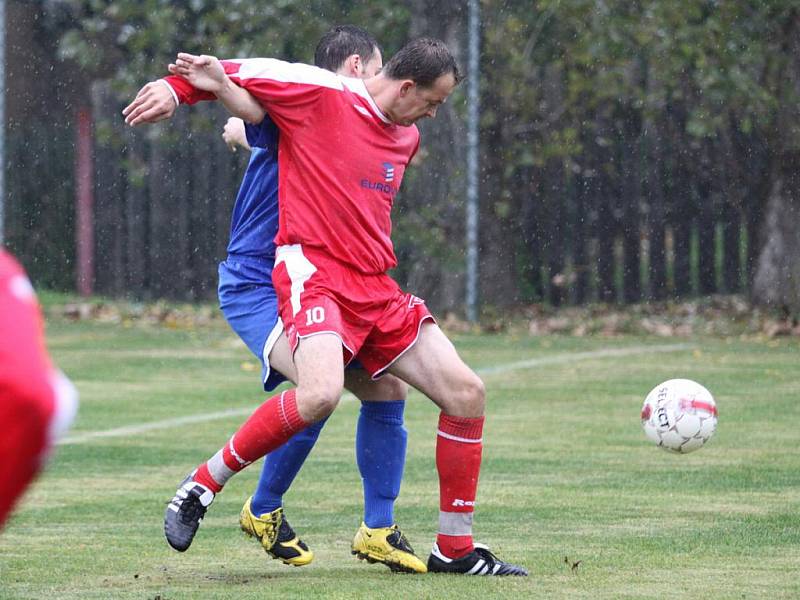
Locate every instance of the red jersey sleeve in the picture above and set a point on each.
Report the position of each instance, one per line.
(186, 92)
(288, 91)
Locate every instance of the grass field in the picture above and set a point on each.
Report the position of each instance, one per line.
(567, 472)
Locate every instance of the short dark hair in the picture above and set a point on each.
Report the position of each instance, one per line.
(342, 41)
(422, 61)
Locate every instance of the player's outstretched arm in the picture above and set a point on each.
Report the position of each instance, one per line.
(156, 101)
(203, 72)
(234, 134)
(207, 73)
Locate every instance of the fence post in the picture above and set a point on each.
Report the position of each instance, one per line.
(84, 204)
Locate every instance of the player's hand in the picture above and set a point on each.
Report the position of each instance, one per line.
(154, 102)
(203, 72)
(234, 135)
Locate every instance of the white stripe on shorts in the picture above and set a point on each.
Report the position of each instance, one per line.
(299, 269)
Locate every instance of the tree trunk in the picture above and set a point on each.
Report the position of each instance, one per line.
(776, 281)
(431, 246)
(777, 278)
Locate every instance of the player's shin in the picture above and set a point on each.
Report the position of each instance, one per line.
(269, 427)
(281, 467)
(458, 461)
(381, 442)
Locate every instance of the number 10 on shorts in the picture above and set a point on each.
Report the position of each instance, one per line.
(315, 315)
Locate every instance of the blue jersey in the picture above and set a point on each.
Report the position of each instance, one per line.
(254, 223)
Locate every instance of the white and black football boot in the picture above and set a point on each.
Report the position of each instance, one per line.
(478, 562)
(185, 511)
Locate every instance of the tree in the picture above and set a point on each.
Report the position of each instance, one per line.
(777, 277)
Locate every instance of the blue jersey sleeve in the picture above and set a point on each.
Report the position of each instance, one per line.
(264, 135)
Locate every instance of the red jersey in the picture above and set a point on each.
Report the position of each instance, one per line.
(340, 159)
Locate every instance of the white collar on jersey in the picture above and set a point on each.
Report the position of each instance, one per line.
(357, 86)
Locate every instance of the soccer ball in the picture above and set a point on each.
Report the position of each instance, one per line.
(679, 415)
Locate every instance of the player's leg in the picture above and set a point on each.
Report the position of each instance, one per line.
(264, 511)
(320, 366)
(433, 366)
(381, 441)
(249, 303)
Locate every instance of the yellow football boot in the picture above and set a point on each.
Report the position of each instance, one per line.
(389, 546)
(276, 536)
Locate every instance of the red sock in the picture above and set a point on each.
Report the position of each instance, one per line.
(270, 426)
(458, 460)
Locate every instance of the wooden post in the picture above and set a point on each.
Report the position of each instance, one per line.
(84, 221)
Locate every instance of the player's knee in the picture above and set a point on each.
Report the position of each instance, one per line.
(318, 403)
(327, 403)
(472, 395)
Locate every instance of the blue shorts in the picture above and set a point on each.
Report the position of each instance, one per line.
(250, 306)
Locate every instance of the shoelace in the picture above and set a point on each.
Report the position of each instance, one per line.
(399, 541)
(488, 556)
(495, 563)
(191, 509)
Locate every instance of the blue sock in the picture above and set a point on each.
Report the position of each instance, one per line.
(281, 467)
(381, 455)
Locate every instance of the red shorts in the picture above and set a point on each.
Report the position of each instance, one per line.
(373, 317)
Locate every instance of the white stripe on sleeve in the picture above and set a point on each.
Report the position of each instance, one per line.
(278, 70)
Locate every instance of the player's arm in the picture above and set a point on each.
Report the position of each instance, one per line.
(288, 91)
(189, 84)
(241, 104)
(207, 73)
(234, 134)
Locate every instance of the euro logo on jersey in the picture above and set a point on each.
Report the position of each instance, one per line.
(387, 171)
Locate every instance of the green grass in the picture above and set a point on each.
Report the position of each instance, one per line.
(567, 472)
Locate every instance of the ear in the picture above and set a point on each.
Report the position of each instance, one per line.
(406, 86)
(354, 65)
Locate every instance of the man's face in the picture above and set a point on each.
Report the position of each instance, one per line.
(414, 102)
